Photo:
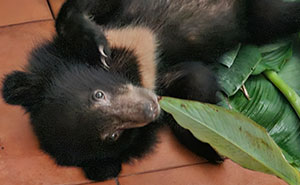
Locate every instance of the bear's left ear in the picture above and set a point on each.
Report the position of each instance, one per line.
(20, 88)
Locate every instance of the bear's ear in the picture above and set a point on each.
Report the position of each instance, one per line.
(20, 88)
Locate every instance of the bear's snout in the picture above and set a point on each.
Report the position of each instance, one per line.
(136, 107)
(151, 110)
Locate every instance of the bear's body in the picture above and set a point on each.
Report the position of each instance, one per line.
(92, 91)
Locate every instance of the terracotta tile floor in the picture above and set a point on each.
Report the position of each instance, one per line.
(23, 24)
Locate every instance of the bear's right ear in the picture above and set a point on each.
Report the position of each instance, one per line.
(19, 88)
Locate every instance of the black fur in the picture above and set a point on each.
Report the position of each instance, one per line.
(58, 86)
(57, 93)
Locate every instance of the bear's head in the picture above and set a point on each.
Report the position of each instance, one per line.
(77, 110)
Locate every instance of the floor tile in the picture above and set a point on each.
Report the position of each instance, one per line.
(16, 137)
(41, 170)
(17, 41)
(204, 174)
(36, 170)
(21, 162)
(167, 154)
(55, 6)
(19, 11)
(109, 182)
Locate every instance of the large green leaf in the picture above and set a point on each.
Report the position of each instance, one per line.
(269, 108)
(232, 135)
(231, 79)
(291, 73)
(229, 57)
(267, 48)
(285, 89)
(287, 82)
(274, 57)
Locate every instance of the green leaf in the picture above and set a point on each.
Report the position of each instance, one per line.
(267, 48)
(232, 135)
(275, 58)
(233, 78)
(287, 80)
(291, 73)
(285, 89)
(269, 108)
(229, 57)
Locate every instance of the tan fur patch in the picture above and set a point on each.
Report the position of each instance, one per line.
(142, 41)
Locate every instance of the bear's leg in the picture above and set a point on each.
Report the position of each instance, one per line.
(75, 25)
(268, 19)
(100, 11)
(191, 81)
(101, 170)
(78, 32)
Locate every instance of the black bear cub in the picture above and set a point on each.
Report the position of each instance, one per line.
(92, 91)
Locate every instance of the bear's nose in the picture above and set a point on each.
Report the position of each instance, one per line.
(151, 111)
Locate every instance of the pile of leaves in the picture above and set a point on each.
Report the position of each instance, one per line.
(257, 123)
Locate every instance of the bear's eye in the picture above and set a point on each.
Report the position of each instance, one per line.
(98, 95)
(115, 136)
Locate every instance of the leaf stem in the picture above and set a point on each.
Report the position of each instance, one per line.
(286, 90)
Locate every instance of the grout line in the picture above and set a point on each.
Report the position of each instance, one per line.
(142, 173)
(164, 169)
(50, 8)
(28, 22)
(79, 183)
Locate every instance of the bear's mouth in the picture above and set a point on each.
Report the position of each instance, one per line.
(117, 131)
(129, 125)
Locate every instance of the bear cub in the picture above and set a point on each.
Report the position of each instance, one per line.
(92, 91)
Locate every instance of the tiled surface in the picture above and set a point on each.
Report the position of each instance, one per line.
(203, 174)
(20, 11)
(21, 162)
(169, 153)
(36, 170)
(17, 41)
(15, 44)
(55, 6)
